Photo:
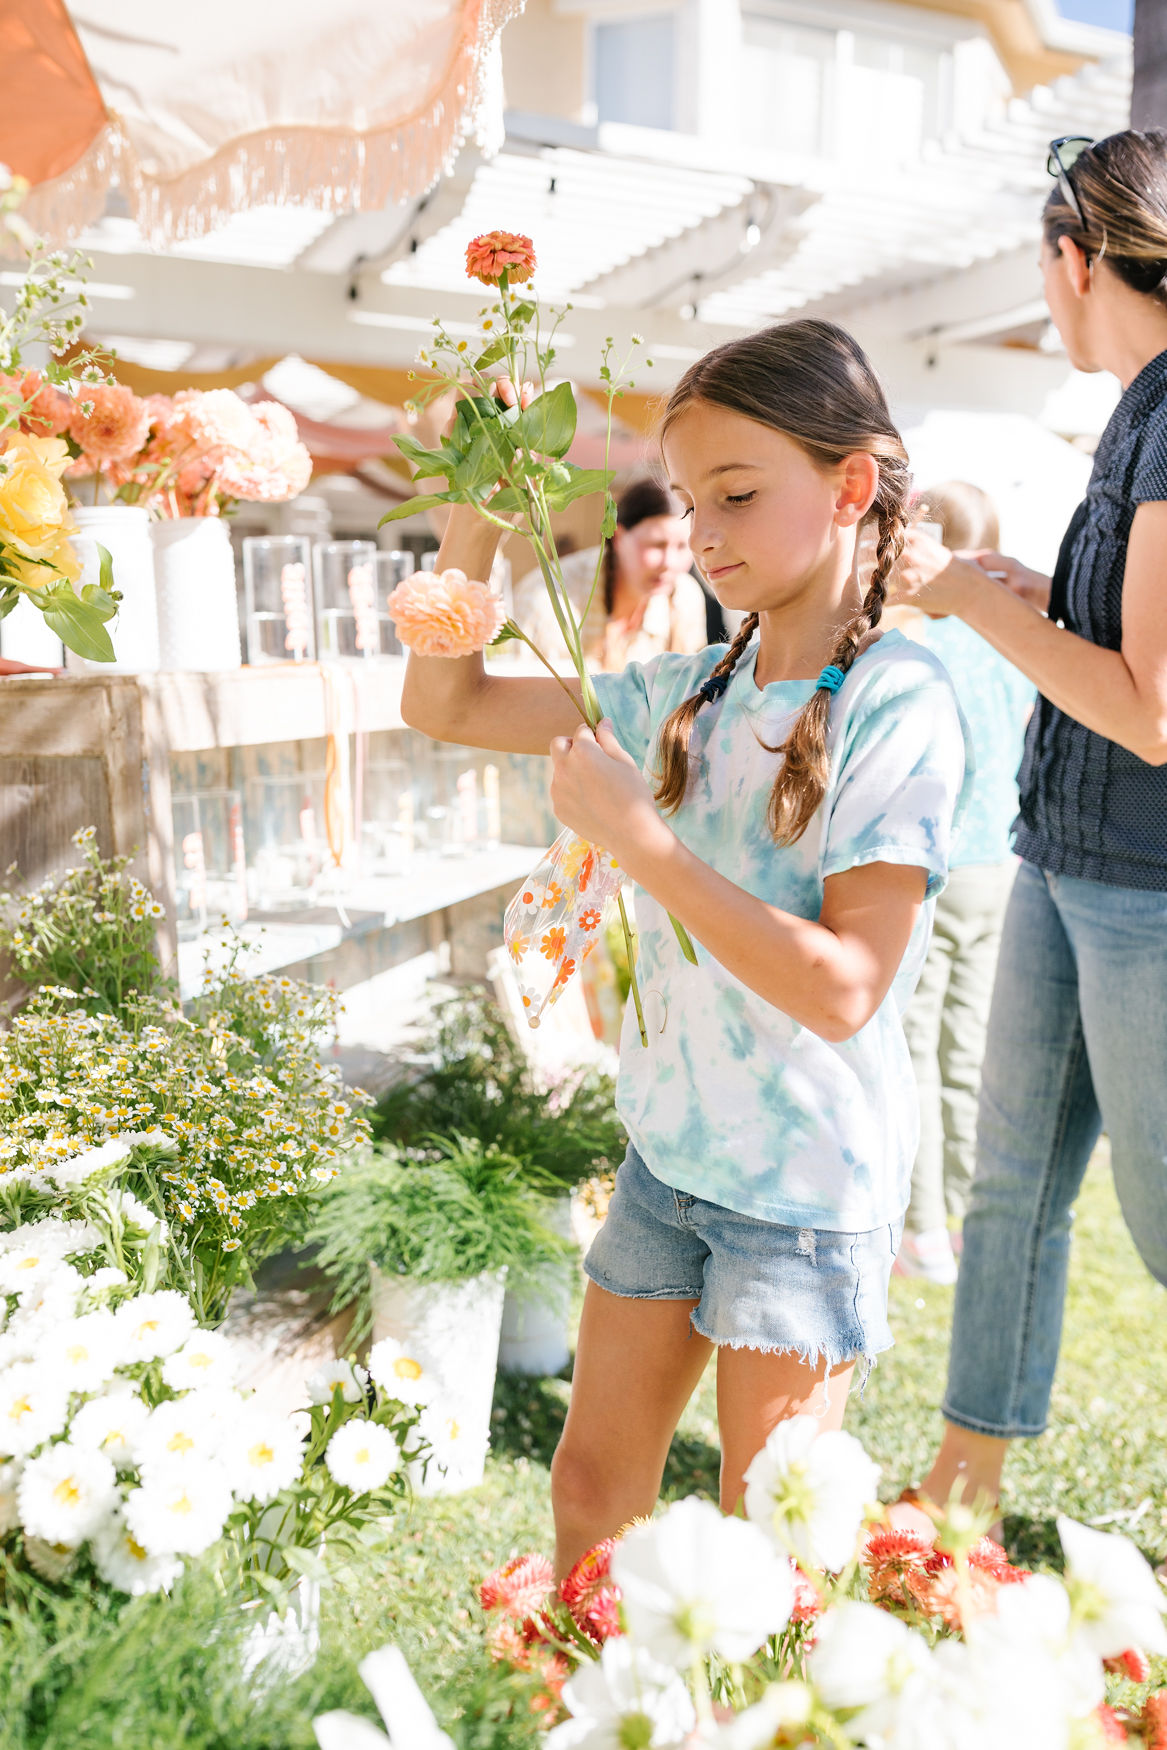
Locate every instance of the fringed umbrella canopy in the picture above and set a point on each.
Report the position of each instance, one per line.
(198, 112)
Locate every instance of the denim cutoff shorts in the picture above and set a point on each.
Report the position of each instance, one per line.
(809, 1291)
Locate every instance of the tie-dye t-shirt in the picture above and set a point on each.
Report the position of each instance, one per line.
(732, 1100)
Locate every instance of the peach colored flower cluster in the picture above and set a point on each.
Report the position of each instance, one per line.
(494, 253)
(109, 424)
(43, 410)
(444, 613)
(902, 1569)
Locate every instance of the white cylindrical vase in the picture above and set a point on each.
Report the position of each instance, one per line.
(124, 531)
(453, 1330)
(536, 1318)
(198, 605)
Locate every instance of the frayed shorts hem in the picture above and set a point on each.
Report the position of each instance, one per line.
(637, 1293)
(1015, 1431)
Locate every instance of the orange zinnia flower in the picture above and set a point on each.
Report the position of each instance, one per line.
(494, 253)
(554, 942)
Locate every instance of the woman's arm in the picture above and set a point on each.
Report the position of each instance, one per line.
(1121, 694)
(830, 975)
(455, 699)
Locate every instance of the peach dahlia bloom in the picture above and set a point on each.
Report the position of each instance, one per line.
(444, 613)
(116, 426)
(494, 253)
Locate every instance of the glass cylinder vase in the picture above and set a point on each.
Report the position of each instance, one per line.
(347, 623)
(277, 583)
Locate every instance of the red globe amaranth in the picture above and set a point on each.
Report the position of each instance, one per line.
(494, 253)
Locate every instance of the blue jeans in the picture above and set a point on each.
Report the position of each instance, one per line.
(1077, 1043)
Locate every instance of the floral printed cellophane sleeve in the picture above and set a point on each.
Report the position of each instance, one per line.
(555, 919)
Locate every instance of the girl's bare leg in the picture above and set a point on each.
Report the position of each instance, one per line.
(637, 1365)
(755, 1391)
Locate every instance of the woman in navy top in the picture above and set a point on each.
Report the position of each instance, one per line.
(1078, 1028)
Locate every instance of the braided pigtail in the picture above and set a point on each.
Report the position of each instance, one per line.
(802, 781)
(677, 728)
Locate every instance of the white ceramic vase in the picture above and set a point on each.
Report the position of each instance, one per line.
(194, 581)
(536, 1319)
(124, 531)
(453, 1329)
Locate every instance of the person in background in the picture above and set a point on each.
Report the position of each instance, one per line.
(947, 1018)
(646, 599)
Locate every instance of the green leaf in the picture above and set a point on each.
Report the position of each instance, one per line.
(469, 415)
(425, 462)
(610, 513)
(8, 600)
(578, 484)
(523, 312)
(79, 626)
(547, 426)
(482, 466)
(495, 351)
(507, 633)
(412, 505)
(508, 500)
(686, 945)
(306, 1562)
(105, 577)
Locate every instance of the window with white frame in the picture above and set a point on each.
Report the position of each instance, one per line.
(634, 70)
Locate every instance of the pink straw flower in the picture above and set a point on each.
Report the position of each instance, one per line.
(444, 613)
(520, 1588)
(116, 426)
(494, 253)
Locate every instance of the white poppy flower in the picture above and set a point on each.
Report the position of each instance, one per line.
(1011, 1700)
(627, 1697)
(124, 1564)
(111, 1423)
(695, 1582)
(85, 1352)
(865, 1659)
(782, 1706)
(1035, 1615)
(155, 1324)
(400, 1703)
(400, 1373)
(52, 1561)
(207, 1358)
(191, 1429)
(264, 1453)
(64, 1493)
(351, 1379)
(180, 1510)
(1117, 1601)
(80, 1168)
(809, 1490)
(33, 1407)
(362, 1456)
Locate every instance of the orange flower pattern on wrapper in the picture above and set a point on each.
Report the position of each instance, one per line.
(444, 613)
(552, 923)
(494, 253)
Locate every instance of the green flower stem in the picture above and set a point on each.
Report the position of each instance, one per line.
(633, 986)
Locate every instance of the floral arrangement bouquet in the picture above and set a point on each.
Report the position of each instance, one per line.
(505, 456)
(811, 1623)
(37, 558)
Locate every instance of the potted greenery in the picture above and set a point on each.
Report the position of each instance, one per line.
(420, 1242)
(477, 1081)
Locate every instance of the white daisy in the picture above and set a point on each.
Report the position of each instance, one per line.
(32, 1265)
(186, 1430)
(52, 1234)
(65, 1493)
(362, 1456)
(155, 1324)
(111, 1424)
(85, 1353)
(207, 1358)
(181, 1510)
(79, 1168)
(401, 1374)
(125, 1565)
(109, 1276)
(9, 1513)
(265, 1455)
(346, 1376)
(33, 1407)
(52, 1561)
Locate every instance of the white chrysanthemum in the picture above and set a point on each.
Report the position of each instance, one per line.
(809, 1491)
(133, 1212)
(362, 1456)
(265, 1454)
(124, 1564)
(400, 1373)
(50, 1299)
(1116, 1601)
(80, 1168)
(9, 1513)
(191, 1429)
(626, 1697)
(206, 1359)
(155, 1324)
(109, 1276)
(65, 1493)
(85, 1352)
(111, 1424)
(181, 1510)
(33, 1407)
(32, 1265)
(346, 1375)
(51, 1561)
(52, 1235)
(695, 1582)
(866, 1660)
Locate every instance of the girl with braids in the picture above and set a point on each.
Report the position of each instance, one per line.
(791, 801)
(1077, 1037)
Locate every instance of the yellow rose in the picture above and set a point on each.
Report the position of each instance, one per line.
(34, 512)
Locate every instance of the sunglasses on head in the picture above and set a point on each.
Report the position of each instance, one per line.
(1064, 153)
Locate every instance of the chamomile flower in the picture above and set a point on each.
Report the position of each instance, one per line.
(33, 1407)
(339, 1375)
(85, 1352)
(181, 1510)
(155, 1324)
(64, 1494)
(111, 1423)
(124, 1564)
(400, 1374)
(206, 1359)
(362, 1456)
(186, 1430)
(265, 1455)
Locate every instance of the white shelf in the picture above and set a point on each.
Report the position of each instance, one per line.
(283, 701)
(367, 906)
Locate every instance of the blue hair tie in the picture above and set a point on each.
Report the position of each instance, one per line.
(713, 687)
(830, 680)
